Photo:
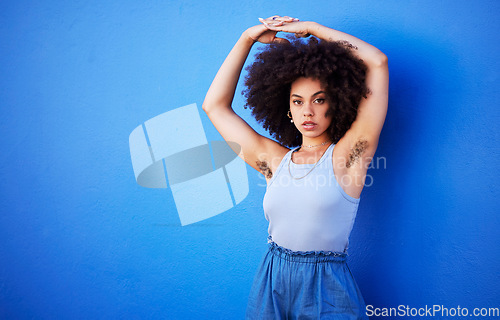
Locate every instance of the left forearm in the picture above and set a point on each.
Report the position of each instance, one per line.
(372, 56)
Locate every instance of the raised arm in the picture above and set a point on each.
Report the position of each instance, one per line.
(355, 150)
(373, 109)
(255, 149)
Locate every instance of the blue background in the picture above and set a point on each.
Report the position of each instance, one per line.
(79, 238)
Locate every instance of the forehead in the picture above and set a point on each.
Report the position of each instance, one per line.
(306, 86)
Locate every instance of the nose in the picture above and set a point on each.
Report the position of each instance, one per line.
(307, 110)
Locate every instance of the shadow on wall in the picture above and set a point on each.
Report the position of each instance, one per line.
(396, 252)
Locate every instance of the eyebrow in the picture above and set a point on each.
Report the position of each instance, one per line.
(298, 96)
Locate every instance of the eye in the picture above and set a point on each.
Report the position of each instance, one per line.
(319, 101)
(297, 102)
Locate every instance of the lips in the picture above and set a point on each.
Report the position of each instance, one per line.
(308, 125)
(308, 122)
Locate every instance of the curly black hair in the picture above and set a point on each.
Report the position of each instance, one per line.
(278, 65)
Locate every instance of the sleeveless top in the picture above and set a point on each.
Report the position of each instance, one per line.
(309, 214)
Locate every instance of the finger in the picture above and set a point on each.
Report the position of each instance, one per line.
(271, 23)
(285, 18)
(271, 18)
(288, 19)
(275, 18)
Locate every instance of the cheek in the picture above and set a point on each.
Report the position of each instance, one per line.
(328, 122)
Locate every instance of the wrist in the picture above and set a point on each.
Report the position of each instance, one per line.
(312, 27)
(246, 38)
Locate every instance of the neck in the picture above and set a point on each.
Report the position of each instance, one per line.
(316, 141)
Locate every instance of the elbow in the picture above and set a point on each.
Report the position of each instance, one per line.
(383, 60)
(210, 103)
(206, 106)
(380, 60)
(214, 105)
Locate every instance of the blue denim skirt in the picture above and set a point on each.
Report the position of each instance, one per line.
(304, 285)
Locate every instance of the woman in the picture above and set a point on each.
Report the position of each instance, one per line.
(328, 99)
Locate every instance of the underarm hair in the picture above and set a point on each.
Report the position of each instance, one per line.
(265, 169)
(356, 152)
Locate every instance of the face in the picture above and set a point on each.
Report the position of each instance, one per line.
(308, 106)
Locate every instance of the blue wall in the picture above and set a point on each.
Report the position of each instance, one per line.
(79, 238)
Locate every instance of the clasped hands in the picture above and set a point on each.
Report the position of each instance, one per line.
(275, 24)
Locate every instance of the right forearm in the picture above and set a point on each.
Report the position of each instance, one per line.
(221, 92)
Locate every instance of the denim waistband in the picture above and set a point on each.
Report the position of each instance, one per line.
(305, 256)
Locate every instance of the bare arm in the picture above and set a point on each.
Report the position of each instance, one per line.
(373, 109)
(357, 147)
(255, 149)
(221, 93)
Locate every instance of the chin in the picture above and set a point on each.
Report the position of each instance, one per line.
(312, 134)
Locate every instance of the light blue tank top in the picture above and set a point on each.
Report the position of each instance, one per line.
(309, 214)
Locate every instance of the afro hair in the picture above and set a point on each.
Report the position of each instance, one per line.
(278, 65)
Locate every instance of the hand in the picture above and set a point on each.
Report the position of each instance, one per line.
(262, 34)
(287, 24)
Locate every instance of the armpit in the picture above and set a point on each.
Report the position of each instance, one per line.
(356, 152)
(264, 168)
